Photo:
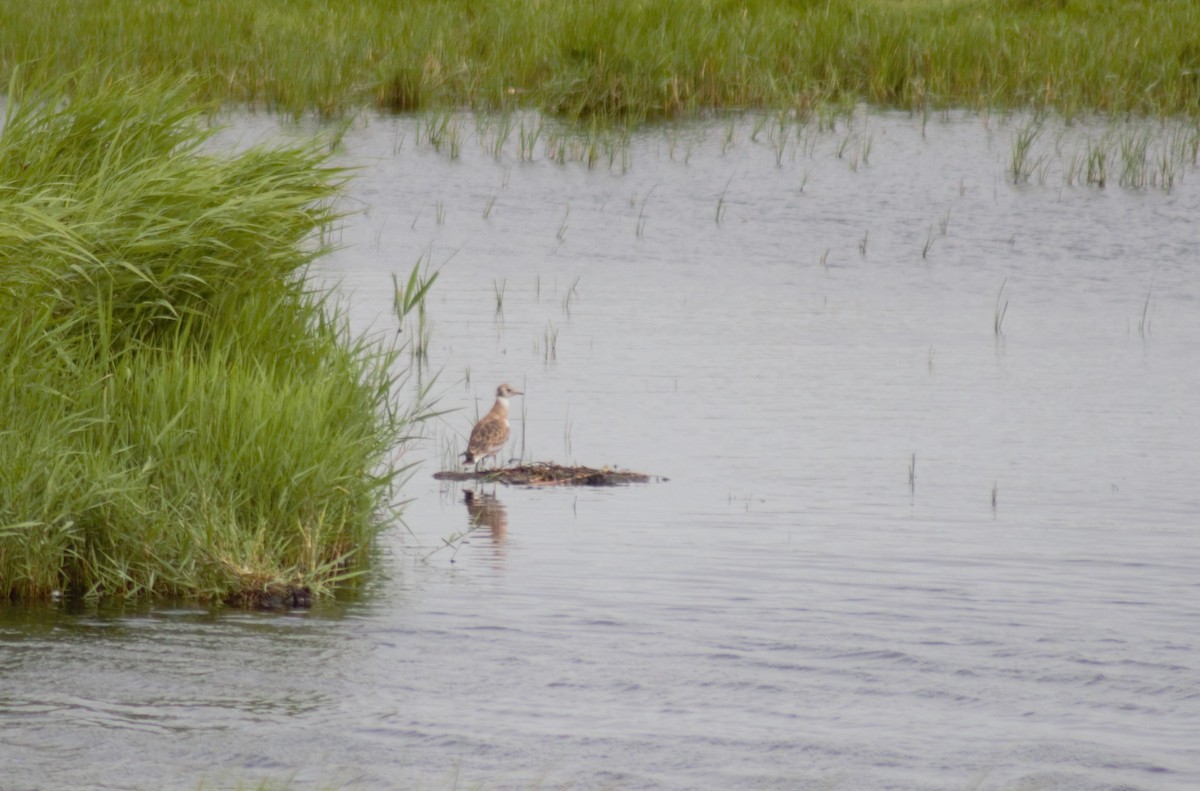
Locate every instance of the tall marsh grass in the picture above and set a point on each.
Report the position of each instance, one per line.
(183, 415)
(614, 60)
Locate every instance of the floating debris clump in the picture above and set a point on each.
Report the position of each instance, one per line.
(546, 474)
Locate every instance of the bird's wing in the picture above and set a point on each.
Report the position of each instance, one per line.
(486, 435)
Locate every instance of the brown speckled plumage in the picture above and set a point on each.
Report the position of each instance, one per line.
(491, 432)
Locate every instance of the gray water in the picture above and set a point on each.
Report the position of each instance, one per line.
(895, 547)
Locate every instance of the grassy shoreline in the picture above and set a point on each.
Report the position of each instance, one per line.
(185, 418)
(617, 61)
(183, 415)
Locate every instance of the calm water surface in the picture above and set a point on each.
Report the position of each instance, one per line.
(896, 549)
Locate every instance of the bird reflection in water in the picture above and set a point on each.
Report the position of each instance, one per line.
(486, 512)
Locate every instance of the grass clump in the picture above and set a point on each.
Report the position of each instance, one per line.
(183, 415)
(612, 61)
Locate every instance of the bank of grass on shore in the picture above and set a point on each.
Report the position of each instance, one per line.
(182, 416)
(615, 60)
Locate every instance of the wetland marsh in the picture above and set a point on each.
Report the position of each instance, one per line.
(614, 62)
(896, 300)
(912, 538)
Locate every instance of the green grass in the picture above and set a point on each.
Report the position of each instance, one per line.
(615, 60)
(184, 416)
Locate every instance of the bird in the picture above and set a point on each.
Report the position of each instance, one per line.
(491, 432)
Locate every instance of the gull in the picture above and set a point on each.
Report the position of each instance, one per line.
(491, 432)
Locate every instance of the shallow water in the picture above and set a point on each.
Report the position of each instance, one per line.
(896, 549)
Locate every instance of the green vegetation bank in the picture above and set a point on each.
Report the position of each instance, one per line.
(181, 415)
(632, 59)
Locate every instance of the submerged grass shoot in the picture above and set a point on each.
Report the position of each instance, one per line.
(1023, 161)
(1001, 310)
(185, 416)
(551, 341)
(571, 295)
(498, 289)
(1144, 322)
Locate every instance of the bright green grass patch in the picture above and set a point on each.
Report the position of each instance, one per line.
(181, 415)
(621, 60)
